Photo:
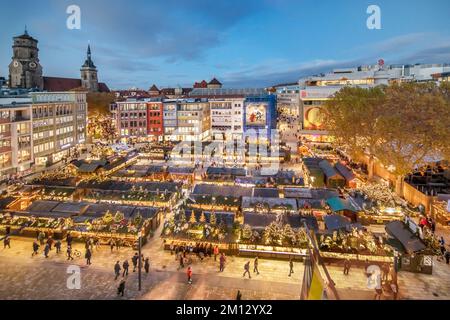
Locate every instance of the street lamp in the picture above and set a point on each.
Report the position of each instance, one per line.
(140, 260)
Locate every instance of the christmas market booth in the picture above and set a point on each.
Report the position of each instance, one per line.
(190, 227)
(136, 173)
(219, 198)
(344, 207)
(413, 253)
(83, 220)
(181, 174)
(222, 174)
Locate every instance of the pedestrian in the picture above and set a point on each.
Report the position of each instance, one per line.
(134, 260)
(58, 246)
(111, 244)
(255, 265)
(69, 240)
(216, 252)
(6, 242)
(50, 242)
(346, 266)
(247, 270)
(117, 270)
(189, 275)
(35, 248)
(239, 295)
(69, 253)
(125, 266)
(46, 250)
(181, 262)
(447, 256)
(147, 265)
(121, 288)
(88, 256)
(291, 267)
(378, 292)
(442, 245)
(433, 226)
(41, 238)
(222, 260)
(394, 288)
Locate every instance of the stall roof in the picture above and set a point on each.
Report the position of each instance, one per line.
(402, 233)
(337, 204)
(336, 222)
(296, 221)
(329, 171)
(226, 191)
(345, 171)
(89, 167)
(259, 221)
(145, 212)
(5, 202)
(266, 192)
(71, 207)
(180, 170)
(226, 217)
(42, 206)
(226, 171)
(250, 202)
(99, 209)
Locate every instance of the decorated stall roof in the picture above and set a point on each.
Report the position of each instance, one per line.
(329, 171)
(99, 209)
(71, 207)
(226, 191)
(296, 221)
(410, 242)
(220, 171)
(6, 201)
(259, 221)
(336, 222)
(226, 217)
(180, 170)
(251, 181)
(126, 186)
(42, 206)
(338, 204)
(251, 203)
(345, 171)
(145, 212)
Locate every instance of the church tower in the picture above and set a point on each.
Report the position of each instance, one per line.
(25, 70)
(89, 78)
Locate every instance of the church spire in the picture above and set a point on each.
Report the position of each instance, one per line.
(89, 51)
(26, 31)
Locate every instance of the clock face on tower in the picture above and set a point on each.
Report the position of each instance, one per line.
(16, 64)
(33, 65)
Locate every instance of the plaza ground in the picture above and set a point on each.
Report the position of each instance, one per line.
(26, 277)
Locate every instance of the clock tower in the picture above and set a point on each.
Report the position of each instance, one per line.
(89, 78)
(25, 70)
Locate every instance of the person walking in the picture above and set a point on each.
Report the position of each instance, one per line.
(88, 256)
(41, 238)
(346, 266)
(46, 250)
(112, 244)
(50, 243)
(125, 266)
(216, 252)
(7, 242)
(58, 246)
(442, 245)
(189, 275)
(147, 265)
(255, 265)
(181, 262)
(222, 261)
(117, 270)
(239, 295)
(35, 248)
(447, 256)
(247, 270)
(121, 288)
(69, 253)
(69, 240)
(291, 267)
(135, 260)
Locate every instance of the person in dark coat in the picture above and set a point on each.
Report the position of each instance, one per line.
(135, 260)
(117, 270)
(247, 270)
(46, 250)
(239, 295)
(58, 246)
(69, 239)
(35, 248)
(50, 242)
(291, 267)
(147, 265)
(88, 256)
(69, 253)
(447, 256)
(255, 265)
(7, 242)
(125, 267)
(346, 266)
(121, 288)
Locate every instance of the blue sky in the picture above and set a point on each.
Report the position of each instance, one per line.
(244, 43)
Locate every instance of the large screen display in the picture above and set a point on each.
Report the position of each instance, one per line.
(256, 114)
(314, 118)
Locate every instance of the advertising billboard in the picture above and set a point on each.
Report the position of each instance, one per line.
(256, 114)
(314, 118)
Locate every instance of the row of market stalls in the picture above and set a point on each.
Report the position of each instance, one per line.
(321, 173)
(155, 172)
(81, 219)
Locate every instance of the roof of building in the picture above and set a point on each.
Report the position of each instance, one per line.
(345, 171)
(56, 84)
(328, 170)
(153, 88)
(222, 92)
(266, 192)
(338, 204)
(402, 233)
(226, 191)
(215, 82)
(226, 171)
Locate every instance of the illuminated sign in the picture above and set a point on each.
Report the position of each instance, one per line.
(256, 115)
(314, 118)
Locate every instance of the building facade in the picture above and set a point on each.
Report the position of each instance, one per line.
(40, 129)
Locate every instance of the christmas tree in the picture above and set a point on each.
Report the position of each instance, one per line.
(247, 232)
(202, 218)
(213, 219)
(192, 219)
(289, 234)
(272, 233)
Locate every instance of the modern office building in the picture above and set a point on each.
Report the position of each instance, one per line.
(288, 98)
(40, 129)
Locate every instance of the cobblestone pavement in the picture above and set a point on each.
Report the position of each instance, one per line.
(26, 277)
